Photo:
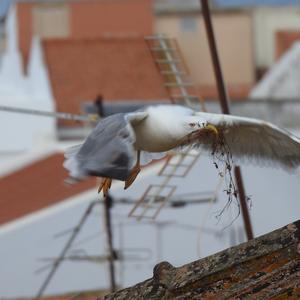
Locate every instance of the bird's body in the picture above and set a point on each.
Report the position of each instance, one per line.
(110, 149)
(162, 130)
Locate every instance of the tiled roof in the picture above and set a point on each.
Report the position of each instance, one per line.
(35, 187)
(281, 81)
(116, 68)
(85, 19)
(267, 267)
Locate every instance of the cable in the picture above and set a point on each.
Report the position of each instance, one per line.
(57, 115)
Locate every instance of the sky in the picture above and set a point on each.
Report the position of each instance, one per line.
(230, 3)
(3, 6)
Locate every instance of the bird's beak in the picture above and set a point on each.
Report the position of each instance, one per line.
(93, 117)
(212, 128)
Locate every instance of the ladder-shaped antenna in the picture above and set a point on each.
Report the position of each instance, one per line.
(180, 164)
(170, 62)
(153, 200)
(171, 65)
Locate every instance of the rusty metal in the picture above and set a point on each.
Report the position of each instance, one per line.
(224, 102)
(108, 201)
(243, 202)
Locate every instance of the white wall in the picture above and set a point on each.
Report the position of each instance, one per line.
(234, 38)
(266, 21)
(19, 132)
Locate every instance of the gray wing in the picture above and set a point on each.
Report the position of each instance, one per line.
(108, 151)
(257, 141)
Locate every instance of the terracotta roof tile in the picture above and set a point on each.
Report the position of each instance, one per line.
(88, 19)
(267, 267)
(86, 295)
(36, 186)
(116, 68)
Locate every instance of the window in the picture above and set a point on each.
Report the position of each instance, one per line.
(51, 20)
(188, 24)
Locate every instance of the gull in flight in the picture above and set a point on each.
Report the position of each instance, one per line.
(121, 143)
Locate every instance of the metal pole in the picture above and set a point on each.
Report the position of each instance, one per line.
(111, 253)
(225, 109)
(107, 205)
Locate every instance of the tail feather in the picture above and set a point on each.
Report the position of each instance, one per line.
(72, 165)
(72, 150)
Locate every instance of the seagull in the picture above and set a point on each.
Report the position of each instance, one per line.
(119, 144)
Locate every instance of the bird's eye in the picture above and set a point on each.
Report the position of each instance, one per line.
(192, 124)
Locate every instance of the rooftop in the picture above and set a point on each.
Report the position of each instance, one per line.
(281, 80)
(116, 68)
(37, 186)
(81, 19)
(87, 295)
(267, 267)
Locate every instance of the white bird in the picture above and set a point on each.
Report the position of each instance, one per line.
(120, 143)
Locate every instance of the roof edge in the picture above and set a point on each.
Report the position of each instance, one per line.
(255, 268)
(48, 211)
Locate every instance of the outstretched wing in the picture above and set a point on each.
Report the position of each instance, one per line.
(108, 151)
(255, 140)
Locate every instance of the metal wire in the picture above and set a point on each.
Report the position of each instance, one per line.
(57, 115)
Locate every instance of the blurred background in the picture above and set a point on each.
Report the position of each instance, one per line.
(98, 57)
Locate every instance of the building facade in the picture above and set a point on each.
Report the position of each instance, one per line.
(234, 35)
(82, 19)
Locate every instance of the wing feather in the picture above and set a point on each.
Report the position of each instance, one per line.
(108, 151)
(256, 141)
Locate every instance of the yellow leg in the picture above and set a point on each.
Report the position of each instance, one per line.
(133, 173)
(105, 185)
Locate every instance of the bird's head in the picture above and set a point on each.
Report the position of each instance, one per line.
(197, 129)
